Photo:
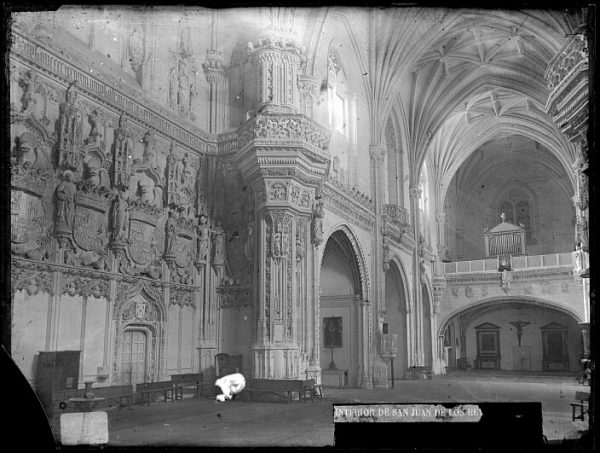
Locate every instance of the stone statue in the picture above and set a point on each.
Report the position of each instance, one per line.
(148, 141)
(317, 224)
(65, 202)
(203, 234)
(219, 238)
(118, 217)
(171, 229)
(249, 245)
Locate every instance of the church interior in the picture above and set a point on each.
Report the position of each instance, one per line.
(354, 196)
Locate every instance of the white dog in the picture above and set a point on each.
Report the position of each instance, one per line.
(230, 385)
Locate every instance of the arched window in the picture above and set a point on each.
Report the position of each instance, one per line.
(342, 122)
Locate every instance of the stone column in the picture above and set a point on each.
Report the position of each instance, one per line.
(443, 254)
(283, 155)
(217, 97)
(364, 342)
(417, 318)
(380, 255)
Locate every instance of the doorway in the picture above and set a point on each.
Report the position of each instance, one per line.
(134, 356)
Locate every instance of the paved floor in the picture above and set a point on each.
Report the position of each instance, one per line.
(204, 422)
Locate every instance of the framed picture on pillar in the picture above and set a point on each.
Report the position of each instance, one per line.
(332, 332)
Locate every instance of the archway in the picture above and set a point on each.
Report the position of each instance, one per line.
(515, 334)
(340, 313)
(396, 304)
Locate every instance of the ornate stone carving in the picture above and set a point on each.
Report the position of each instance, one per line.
(89, 223)
(55, 60)
(119, 220)
(122, 155)
(386, 252)
(70, 132)
(182, 296)
(143, 219)
(567, 77)
(213, 67)
(219, 239)
(31, 280)
(280, 238)
(506, 280)
(317, 222)
(180, 182)
(203, 237)
(29, 224)
(234, 296)
(292, 130)
(182, 83)
(65, 208)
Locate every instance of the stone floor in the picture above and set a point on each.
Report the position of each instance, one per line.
(204, 422)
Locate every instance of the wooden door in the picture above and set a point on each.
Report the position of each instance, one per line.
(133, 357)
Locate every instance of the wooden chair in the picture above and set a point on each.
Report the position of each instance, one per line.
(312, 390)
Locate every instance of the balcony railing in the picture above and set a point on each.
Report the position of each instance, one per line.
(520, 262)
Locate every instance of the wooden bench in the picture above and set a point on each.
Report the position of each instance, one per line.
(121, 394)
(583, 399)
(423, 372)
(189, 380)
(148, 389)
(312, 390)
(283, 388)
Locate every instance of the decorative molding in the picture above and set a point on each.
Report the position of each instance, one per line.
(490, 278)
(348, 207)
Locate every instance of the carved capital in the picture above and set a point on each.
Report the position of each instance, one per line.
(377, 153)
(415, 192)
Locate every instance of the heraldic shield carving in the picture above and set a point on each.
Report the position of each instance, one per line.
(185, 247)
(27, 218)
(141, 241)
(90, 222)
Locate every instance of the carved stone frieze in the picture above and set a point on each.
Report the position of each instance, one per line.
(285, 130)
(184, 297)
(74, 284)
(33, 281)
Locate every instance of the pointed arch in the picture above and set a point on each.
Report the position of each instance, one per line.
(361, 267)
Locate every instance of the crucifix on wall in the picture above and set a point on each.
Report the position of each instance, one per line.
(519, 325)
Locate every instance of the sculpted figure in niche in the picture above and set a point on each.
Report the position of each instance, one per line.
(65, 202)
(186, 178)
(118, 217)
(218, 237)
(317, 225)
(249, 246)
(171, 228)
(203, 233)
(148, 156)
